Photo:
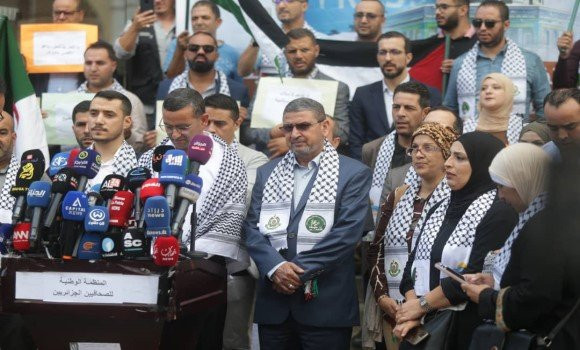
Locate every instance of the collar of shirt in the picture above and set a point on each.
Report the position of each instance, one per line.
(210, 88)
(386, 88)
(468, 34)
(500, 53)
(311, 165)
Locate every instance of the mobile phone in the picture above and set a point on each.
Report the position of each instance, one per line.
(145, 5)
(416, 335)
(450, 272)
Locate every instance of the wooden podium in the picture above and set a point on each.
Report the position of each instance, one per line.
(99, 305)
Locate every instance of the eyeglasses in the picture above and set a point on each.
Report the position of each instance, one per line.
(182, 129)
(424, 149)
(445, 7)
(369, 15)
(301, 127)
(57, 13)
(206, 48)
(489, 23)
(393, 52)
(278, 2)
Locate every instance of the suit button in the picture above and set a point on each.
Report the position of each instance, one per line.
(291, 235)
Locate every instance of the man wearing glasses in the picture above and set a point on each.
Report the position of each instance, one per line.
(494, 52)
(301, 231)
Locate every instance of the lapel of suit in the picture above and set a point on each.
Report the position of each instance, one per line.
(295, 212)
(379, 97)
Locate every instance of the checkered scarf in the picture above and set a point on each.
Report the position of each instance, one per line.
(382, 167)
(396, 255)
(318, 216)
(503, 257)
(147, 157)
(182, 81)
(458, 247)
(513, 66)
(6, 200)
(124, 160)
(115, 87)
(515, 126)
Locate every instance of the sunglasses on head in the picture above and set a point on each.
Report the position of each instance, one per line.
(489, 23)
(206, 48)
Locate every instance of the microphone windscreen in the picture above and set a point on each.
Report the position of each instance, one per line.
(112, 184)
(151, 188)
(74, 206)
(38, 194)
(58, 162)
(136, 177)
(87, 163)
(158, 154)
(200, 148)
(166, 251)
(20, 238)
(33, 156)
(134, 243)
(174, 167)
(97, 219)
(157, 216)
(120, 209)
(191, 188)
(89, 246)
(27, 174)
(72, 156)
(65, 180)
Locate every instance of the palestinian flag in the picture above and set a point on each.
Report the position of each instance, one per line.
(21, 101)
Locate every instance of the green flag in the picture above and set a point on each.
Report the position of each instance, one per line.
(21, 101)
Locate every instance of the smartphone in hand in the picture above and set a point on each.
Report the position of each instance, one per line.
(145, 5)
(450, 272)
(416, 335)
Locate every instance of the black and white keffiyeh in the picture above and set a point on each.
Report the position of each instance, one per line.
(513, 66)
(382, 167)
(396, 255)
(147, 157)
(115, 87)
(458, 247)
(318, 216)
(515, 126)
(182, 81)
(6, 199)
(503, 257)
(124, 160)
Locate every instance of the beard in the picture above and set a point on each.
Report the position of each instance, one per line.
(200, 67)
(392, 75)
(451, 23)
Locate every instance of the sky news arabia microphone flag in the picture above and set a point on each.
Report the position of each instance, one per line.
(21, 101)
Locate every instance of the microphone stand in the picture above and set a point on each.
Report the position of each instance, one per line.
(192, 253)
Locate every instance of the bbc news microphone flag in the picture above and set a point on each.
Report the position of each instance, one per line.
(21, 101)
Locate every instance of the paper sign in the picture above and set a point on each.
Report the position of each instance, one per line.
(58, 122)
(56, 48)
(272, 96)
(87, 288)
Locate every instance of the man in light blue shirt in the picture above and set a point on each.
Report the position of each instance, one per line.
(563, 118)
(491, 21)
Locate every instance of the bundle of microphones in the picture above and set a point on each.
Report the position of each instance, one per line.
(133, 217)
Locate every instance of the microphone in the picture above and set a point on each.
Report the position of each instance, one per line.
(96, 223)
(86, 165)
(31, 169)
(64, 181)
(6, 231)
(135, 244)
(165, 251)
(151, 188)
(173, 170)
(94, 197)
(72, 156)
(189, 193)
(112, 184)
(58, 162)
(157, 217)
(38, 198)
(119, 212)
(199, 152)
(21, 236)
(135, 179)
(158, 154)
(74, 209)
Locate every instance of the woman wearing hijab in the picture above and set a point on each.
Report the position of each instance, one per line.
(458, 232)
(496, 100)
(521, 174)
(404, 209)
(536, 133)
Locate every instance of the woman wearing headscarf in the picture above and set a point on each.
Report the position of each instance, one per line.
(458, 232)
(496, 100)
(513, 292)
(404, 209)
(536, 133)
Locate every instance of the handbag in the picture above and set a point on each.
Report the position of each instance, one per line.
(439, 326)
(489, 336)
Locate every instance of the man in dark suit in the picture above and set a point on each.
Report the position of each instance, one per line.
(301, 53)
(301, 231)
(370, 112)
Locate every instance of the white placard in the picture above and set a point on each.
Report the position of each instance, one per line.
(274, 93)
(58, 122)
(87, 288)
(59, 48)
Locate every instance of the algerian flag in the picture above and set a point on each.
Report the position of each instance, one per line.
(21, 101)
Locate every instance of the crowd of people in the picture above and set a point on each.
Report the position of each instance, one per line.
(478, 176)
